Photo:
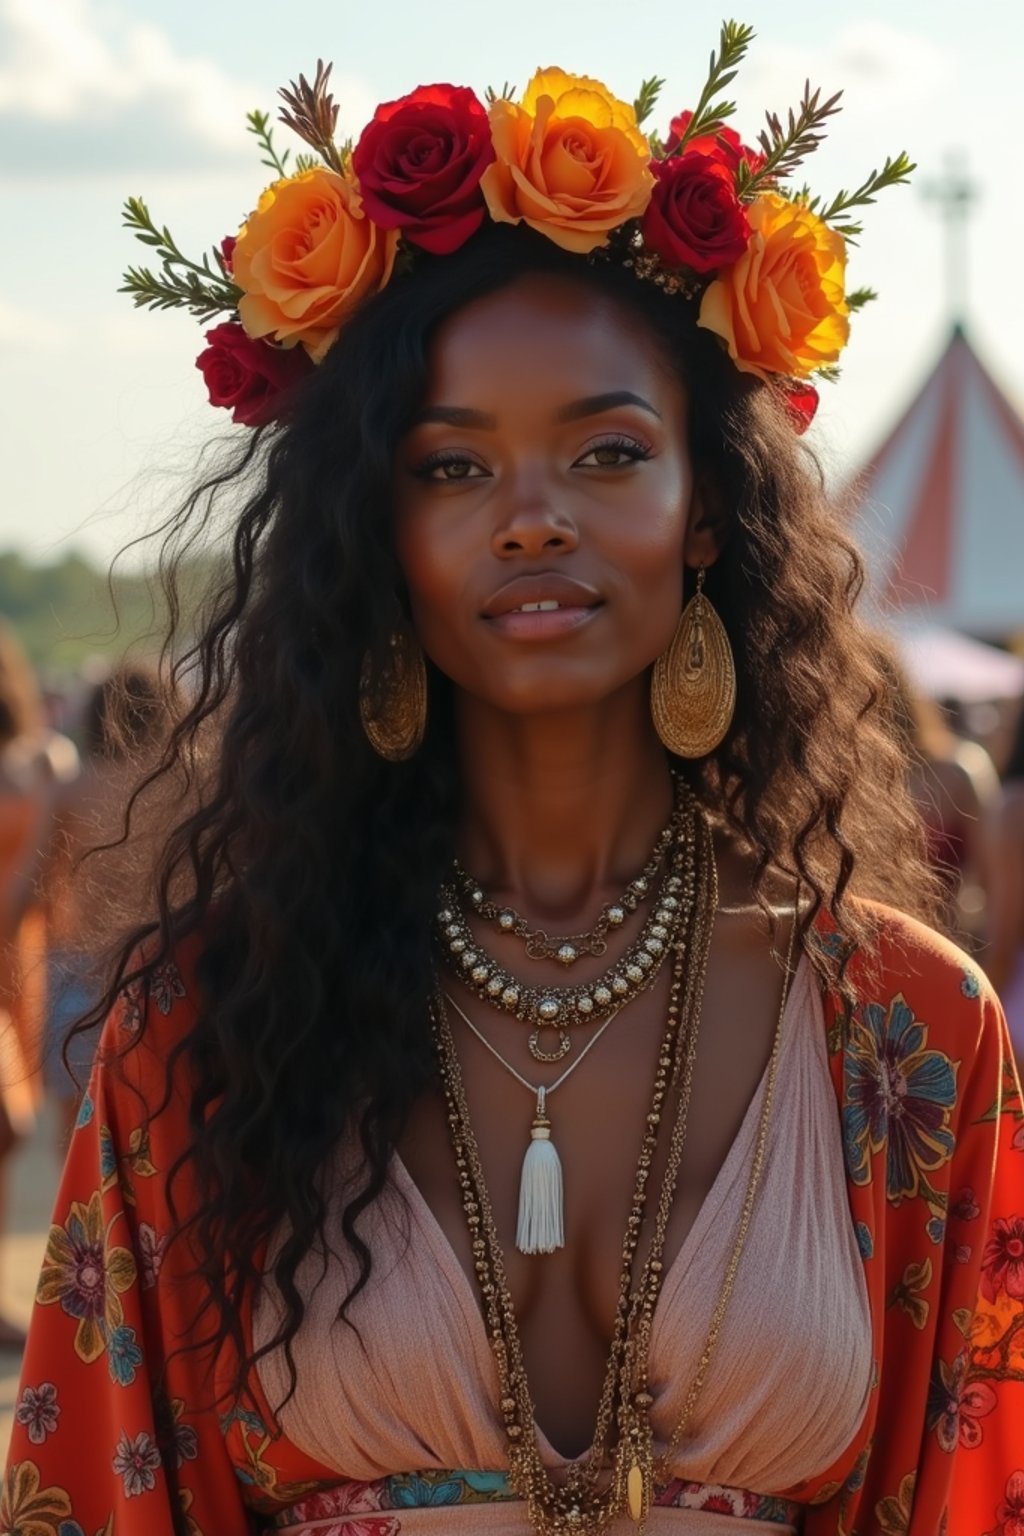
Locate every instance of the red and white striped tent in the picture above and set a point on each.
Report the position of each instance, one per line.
(939, 510)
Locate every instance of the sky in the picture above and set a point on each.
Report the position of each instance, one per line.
(102, 412)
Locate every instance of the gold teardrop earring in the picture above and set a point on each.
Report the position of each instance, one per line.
(693, 685)
(393, 704)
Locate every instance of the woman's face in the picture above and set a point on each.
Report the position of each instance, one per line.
(544, 495)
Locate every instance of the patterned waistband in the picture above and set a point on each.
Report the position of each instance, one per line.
(373, 1509)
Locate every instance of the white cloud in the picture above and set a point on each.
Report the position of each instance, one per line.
(907, 62)
(863, 53)
(85, 89)
(66, 58)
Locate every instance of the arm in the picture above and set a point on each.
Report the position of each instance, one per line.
(29, 859)
(941, 1196)
(982, 1354)
(963, 812)
(1006, 888)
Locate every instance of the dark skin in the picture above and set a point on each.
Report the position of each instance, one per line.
(566, 784)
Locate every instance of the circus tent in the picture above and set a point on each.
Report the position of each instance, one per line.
(939, 509)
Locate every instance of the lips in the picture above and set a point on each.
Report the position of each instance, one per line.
(546, 593)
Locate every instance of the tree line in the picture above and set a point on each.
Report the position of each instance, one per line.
(69, 611)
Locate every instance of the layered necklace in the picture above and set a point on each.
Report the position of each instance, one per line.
(540, 1227)
(619, 1472)
(555, 1009)
(568, 948)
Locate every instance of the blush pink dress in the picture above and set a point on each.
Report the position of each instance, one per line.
(415, 1390)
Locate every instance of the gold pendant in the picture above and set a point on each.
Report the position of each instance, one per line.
(635, 1493)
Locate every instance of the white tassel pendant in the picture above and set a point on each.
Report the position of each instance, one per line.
(541, 1226)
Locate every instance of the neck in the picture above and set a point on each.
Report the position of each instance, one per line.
(561, 810)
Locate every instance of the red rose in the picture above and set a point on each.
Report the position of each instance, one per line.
(725, 145)
(227, 252)
(694, 218)
(419, 165)
(248, 377)
(801, 401)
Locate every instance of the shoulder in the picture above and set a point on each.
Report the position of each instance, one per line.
(977, 764)
(142, 1047)
(941, 985)
(22, 768)
(60, 757)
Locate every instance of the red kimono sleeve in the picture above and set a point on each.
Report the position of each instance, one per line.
(977, 1388)
(933, 1131)
(116, 1430)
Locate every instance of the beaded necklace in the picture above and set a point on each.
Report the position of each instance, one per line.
(619, 1472)
(557, 1009)
(566, 948)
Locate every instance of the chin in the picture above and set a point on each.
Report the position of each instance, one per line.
(552, 689)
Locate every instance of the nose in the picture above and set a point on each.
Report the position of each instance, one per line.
(534, 527)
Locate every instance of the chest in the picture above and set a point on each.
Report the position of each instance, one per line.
(789, 1378)
(566, 1302)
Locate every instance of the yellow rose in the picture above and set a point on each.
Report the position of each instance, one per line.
(306, 257)
(571, 161)
(781, 308)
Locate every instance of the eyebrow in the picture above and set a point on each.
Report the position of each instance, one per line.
(591, 405)
(456, 416)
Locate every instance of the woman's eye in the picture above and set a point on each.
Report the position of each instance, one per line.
(447, 467)
(614, 454)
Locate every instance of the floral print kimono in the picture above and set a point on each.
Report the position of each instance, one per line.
(119, 1431)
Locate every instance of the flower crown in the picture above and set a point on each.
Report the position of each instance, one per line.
(699, 213)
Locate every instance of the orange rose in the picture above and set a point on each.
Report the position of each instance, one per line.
(306, 257)
(572, 161)
(781, 307)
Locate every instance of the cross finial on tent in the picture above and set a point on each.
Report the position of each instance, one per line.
(954, 195)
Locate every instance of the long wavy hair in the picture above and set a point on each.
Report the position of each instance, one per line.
(308, 867)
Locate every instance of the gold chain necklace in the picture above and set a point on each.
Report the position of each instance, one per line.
(588, 1500)
(580, 1504)
(646, 1474)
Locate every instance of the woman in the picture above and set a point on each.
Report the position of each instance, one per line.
(93, 876)
(1004, 961)
(954, 784)
(316, 1265)
(26, 788)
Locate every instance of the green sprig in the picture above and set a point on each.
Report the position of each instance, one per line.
(507, 93)
(647, 98)
(258, 124)
(859, 297)
(709, 114)
(168, 290)
(201, 287)
(785, 146)
(896, 171)
(312, 113)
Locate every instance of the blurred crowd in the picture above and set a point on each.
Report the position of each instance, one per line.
(72, 878)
